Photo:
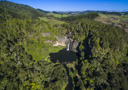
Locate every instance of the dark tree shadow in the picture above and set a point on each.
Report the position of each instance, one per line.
(87, 47)
(63, 56)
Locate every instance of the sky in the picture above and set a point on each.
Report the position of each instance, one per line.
(76, 5)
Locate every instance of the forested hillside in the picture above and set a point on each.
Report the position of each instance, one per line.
(103, 61)
(27, 36)
(23, 10)
(24, 57)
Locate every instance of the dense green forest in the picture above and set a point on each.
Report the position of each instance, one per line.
(23, 11)
(24, 57)
(103, 56)
(27, 38)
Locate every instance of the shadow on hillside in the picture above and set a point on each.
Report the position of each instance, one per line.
(63, 56)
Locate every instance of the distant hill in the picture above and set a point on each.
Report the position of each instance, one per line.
(43, 11)
(88, 11)
(81, 16)
(20, 9)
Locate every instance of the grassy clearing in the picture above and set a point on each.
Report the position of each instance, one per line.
(108, 19)
(58, 29)
(57, 15)
(52, 21)
(55, 49)
(113, 19)
(124, 18)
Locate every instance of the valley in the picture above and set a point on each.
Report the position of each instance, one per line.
(43, 50)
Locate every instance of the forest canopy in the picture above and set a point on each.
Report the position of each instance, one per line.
(27, 35)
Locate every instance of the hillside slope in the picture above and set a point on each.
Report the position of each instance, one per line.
(117, 21)
(20, 9)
